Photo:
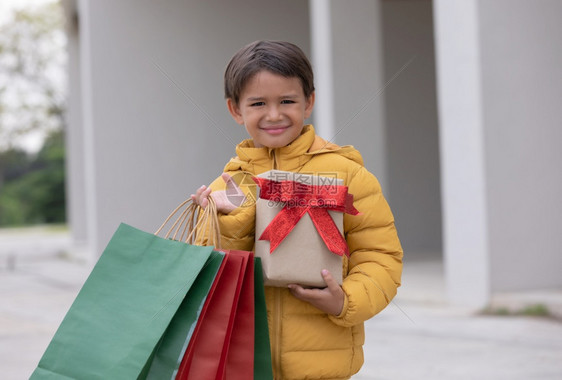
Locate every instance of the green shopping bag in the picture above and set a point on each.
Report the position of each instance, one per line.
(125, 306)
(263, 369)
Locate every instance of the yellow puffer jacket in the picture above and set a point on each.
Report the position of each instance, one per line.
(307, 343)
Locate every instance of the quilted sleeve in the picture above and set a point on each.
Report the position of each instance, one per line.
(375, 263)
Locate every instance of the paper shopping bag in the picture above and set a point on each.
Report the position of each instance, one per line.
(124, 307)
(299, 227)
(192, 224)
(205, 357)
(170, 350)
(248, 354)
(263, 369)
(240, 358)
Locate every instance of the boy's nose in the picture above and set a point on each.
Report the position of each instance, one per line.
(273, 113)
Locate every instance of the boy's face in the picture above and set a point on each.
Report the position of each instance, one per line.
(272, 108)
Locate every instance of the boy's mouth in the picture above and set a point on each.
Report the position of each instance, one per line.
(274, 130)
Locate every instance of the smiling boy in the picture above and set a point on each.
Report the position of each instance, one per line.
(314, 333)
(272, 108)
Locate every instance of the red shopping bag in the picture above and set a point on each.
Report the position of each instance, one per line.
(207, 352)
(240, 358)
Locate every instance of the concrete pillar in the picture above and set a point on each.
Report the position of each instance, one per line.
(321, 59)
(75, 184)
(462, 149)
(87, 131)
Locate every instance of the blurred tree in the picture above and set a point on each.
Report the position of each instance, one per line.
(32, 103)
(32, 73)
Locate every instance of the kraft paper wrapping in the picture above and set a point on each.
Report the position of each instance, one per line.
(302, 255)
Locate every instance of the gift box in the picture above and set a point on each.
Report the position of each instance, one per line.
(299, 227)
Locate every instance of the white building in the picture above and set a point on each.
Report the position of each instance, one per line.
(456, 106)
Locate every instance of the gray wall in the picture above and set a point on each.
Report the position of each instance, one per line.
(522, 102)
(411, 125)
(156, 122)
(358, 78)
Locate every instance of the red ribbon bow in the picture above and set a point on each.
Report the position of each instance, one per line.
(299, 199)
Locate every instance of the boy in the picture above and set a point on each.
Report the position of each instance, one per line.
(314, 333)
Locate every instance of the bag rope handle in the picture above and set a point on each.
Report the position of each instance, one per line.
(193, 224)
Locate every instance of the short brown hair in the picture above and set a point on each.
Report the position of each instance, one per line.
(278, 57)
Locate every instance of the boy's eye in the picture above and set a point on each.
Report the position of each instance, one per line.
(287, 101)
(257, 104)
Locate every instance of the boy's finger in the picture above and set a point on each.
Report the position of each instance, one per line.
(204, 203)
(298, 291)
(205, 197)
(206, 192)
(333, 286)
(199, 191)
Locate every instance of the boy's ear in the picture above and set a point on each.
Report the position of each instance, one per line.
(234, 111)
(309, 105)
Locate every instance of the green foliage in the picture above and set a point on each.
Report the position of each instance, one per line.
(13, 163)
(535, 310)
(38, 195)
(538, 310)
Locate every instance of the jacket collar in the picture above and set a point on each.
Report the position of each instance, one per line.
(289, 158)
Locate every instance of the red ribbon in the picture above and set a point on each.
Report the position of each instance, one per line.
(299, 199)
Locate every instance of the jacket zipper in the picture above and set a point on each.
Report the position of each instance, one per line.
(274, 160)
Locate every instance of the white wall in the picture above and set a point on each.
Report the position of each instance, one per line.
(156, 125)
(522, 103)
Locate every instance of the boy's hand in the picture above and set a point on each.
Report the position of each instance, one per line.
(329, 299)
(226, 200)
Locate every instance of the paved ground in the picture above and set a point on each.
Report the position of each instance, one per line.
(417, 337)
